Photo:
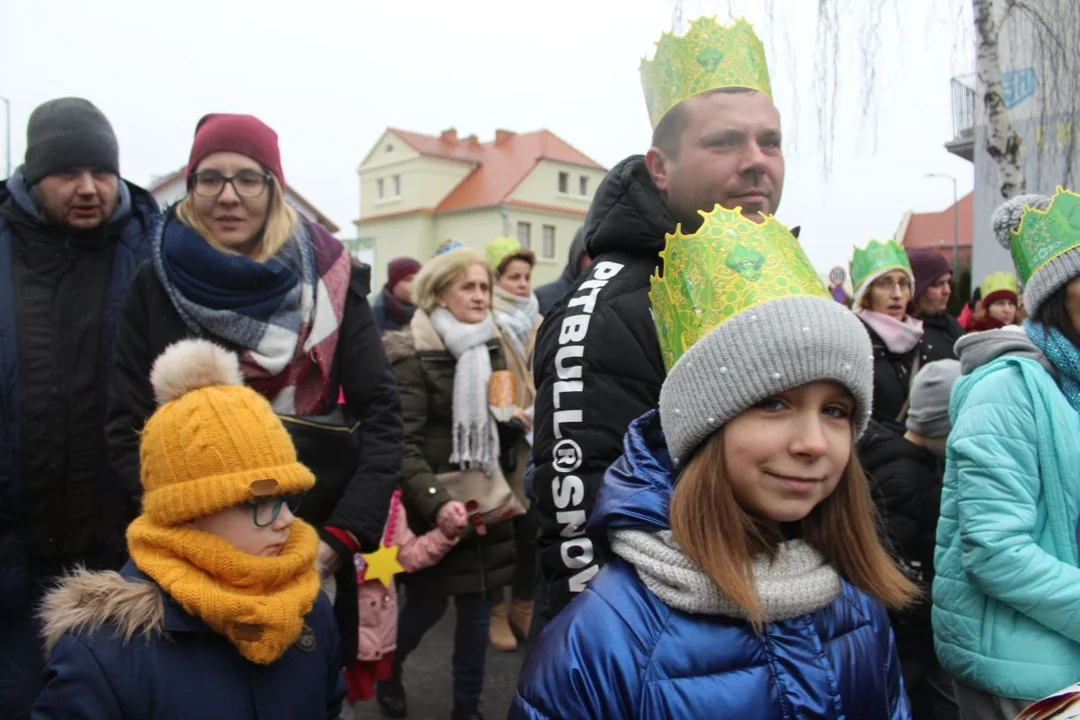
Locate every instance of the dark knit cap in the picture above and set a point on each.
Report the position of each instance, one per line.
(68, 133)
(928, 266)
(400, 268)
(244, 134)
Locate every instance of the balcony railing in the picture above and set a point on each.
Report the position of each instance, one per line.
(963, 108)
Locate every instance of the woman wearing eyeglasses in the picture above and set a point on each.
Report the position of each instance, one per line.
(883, 280)
(232, 262)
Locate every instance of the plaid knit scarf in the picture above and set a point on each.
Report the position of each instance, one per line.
(282, 316)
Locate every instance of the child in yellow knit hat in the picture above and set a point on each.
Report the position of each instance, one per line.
(218, 613)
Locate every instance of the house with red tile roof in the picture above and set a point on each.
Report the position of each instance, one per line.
(935, 230)
(417, 191)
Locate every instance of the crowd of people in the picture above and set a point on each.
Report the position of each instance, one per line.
(682, 478)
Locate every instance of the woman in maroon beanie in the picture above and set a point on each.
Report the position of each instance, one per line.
(232, 262)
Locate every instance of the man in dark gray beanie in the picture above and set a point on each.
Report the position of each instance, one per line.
(72, 235)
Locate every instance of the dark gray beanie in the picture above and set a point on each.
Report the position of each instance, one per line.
(773, 347)
(68, 133)
(931, 390)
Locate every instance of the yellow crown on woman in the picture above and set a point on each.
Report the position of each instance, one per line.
(708, 57)
(729, 265)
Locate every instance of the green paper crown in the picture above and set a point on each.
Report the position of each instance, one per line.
(499, 249)
(708, 57)
(1045, 234)
(875, 259)
(997, 282)
(728, 266)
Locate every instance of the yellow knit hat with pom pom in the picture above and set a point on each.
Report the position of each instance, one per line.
(213, 443)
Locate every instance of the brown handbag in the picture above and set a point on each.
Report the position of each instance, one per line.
(488, 499)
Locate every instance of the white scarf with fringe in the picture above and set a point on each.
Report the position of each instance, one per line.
(475, 436)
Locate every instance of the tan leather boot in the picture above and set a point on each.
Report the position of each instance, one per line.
(520, 618)
(501, 636)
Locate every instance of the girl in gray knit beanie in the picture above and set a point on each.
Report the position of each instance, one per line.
(748, 580)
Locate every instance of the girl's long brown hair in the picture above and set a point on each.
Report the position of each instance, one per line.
(723, 539)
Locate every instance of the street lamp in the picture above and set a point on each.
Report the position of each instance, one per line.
(955, 218)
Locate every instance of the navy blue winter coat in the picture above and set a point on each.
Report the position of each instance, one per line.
(137, 213)
(170, 664)
(618, 651)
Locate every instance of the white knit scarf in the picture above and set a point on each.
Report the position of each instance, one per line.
(475, 437)
(516, 316)
(797, 582)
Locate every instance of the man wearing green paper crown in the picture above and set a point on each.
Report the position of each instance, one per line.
(716, 141)
(1007, 586)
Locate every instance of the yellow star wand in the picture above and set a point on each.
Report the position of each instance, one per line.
(382, 565)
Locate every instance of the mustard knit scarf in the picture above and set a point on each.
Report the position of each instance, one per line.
(258, 603)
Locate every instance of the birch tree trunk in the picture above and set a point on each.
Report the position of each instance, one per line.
(1002, 141)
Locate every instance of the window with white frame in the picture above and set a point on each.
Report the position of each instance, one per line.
(583, 185)
(524, 234)
(397, 186)
(548, 250)
(564, 182)
(380, 189)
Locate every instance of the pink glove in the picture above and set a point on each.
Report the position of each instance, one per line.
(451, 519)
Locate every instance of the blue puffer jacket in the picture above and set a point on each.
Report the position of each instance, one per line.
(1007, 591)
(124, 650)
(138, 210)
(619, 652)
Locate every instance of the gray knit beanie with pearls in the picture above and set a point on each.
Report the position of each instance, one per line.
(767, 349)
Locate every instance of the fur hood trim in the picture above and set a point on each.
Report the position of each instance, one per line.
(85, 601)
(420, 336)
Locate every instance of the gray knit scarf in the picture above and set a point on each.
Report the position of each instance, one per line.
(475, 437)
(516, 316)
(797, 582)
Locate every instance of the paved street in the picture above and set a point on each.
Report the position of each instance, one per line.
(428, 682)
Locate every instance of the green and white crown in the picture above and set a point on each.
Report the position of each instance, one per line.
(729, 265)
(708, 57)
(876, 259)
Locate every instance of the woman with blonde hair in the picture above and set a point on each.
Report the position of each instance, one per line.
(747, 579)
(233, 263)
(517, 316)
(443, 364)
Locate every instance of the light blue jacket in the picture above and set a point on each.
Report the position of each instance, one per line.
(1007, 592)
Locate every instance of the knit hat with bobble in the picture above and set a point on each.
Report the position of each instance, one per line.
(212, 443)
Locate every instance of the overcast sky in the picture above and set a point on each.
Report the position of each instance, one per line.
(330, 75)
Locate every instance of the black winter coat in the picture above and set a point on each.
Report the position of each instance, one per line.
(905, 480)
(149, 323)
(598, 367)
(940, 333)
(892, 380)
(424, 369)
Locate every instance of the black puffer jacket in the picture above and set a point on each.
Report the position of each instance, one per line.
(598, 368)
(905, 480)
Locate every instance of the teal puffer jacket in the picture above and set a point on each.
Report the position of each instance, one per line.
(1007, 592)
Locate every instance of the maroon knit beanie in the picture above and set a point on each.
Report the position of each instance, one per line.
(999, 295)
(928, 266)
(244, 134)
(400, 268)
